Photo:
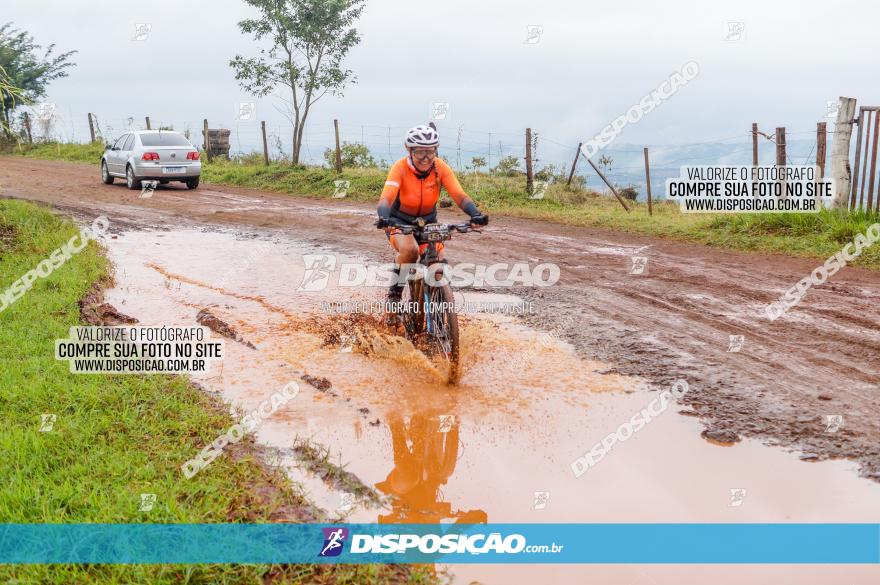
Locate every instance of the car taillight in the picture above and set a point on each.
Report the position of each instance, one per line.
(192, 155)
(150, 156)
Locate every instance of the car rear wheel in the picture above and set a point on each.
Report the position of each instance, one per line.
(105, 174)
(192, 183)
(130, 181)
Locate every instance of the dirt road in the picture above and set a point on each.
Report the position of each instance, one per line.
(674, 320)
(375, 435)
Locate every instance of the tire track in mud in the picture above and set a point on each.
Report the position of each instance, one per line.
(618, 315)
(733, 404)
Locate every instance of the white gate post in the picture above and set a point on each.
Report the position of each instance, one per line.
(840, 169)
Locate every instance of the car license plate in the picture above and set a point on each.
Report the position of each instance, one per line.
(172, 170)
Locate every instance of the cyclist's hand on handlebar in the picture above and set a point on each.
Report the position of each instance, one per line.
(481, 219)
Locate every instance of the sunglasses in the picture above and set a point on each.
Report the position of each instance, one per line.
(422, 153)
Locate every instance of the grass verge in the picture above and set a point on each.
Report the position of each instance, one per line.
(117, 437)
(809, 235)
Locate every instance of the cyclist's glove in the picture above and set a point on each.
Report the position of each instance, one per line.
(477, 218)
(384, 212)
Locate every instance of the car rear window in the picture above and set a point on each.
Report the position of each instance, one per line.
(164, 139)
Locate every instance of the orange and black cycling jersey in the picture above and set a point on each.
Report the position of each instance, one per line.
(409, 194)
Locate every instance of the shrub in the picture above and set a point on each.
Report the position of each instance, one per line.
(550, 174)
(508, 167)
(353, 156)
(629, 192)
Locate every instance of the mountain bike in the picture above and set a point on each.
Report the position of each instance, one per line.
(427, 310)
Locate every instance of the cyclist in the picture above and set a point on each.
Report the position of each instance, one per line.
(411, 192)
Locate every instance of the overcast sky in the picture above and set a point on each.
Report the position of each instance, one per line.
(591, 62)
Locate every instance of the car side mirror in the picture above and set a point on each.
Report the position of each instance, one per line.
(108, 147)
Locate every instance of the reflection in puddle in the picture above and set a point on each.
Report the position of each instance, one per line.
(425, 454)
(526, 407)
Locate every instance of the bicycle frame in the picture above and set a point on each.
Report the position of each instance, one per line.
(433, 312)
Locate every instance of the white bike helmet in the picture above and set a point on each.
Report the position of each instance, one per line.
(421, 136)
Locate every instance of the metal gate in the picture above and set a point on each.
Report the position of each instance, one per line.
(865, 175)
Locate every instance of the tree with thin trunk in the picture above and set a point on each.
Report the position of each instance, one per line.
(8, 94)
(25, 74)
(308, 41)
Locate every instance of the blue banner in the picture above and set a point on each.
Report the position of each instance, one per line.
(443, 543)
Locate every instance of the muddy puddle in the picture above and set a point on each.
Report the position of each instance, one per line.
(497, 447)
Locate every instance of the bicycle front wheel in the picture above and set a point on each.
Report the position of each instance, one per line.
(441, 329)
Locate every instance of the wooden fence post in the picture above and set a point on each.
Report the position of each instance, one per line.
(607, 182)
(821, 135)
(265, 143)
(574, 162)
(754, 144)
(148, 123)
(338, 151)
(648, 180)
(780, 146)
(530, 178)
(840, 169)
(91, 127)
(207, 140)
(27, 127)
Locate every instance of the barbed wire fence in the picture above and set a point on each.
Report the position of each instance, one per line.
(623, 165)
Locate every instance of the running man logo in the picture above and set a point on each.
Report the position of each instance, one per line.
(147, 189)
(639, 265)
(446, 422)
(833, 422)
(347, 343)
(317, 271)
(346, 502)
(333, 541)
(246, 110)
(533, 34)
(541, 500)
(439, 110)
(736, 343)
(737, 496)
(47, 421)
(736, 31)
(831, 108)
(142, 31)
(538, 190)
(147, 502)
(340, 188)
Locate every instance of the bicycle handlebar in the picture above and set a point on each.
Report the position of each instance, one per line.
(408, 228)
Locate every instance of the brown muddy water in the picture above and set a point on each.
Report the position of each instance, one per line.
(498, 446)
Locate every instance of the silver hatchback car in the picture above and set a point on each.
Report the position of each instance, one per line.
(156, 155)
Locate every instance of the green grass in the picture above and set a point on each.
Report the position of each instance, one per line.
(809, 235)
(813, 235)
(90, 153)
(116, 437)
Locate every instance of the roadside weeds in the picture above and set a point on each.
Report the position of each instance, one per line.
(804, 235)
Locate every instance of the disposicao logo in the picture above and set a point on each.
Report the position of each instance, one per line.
(333, 541)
